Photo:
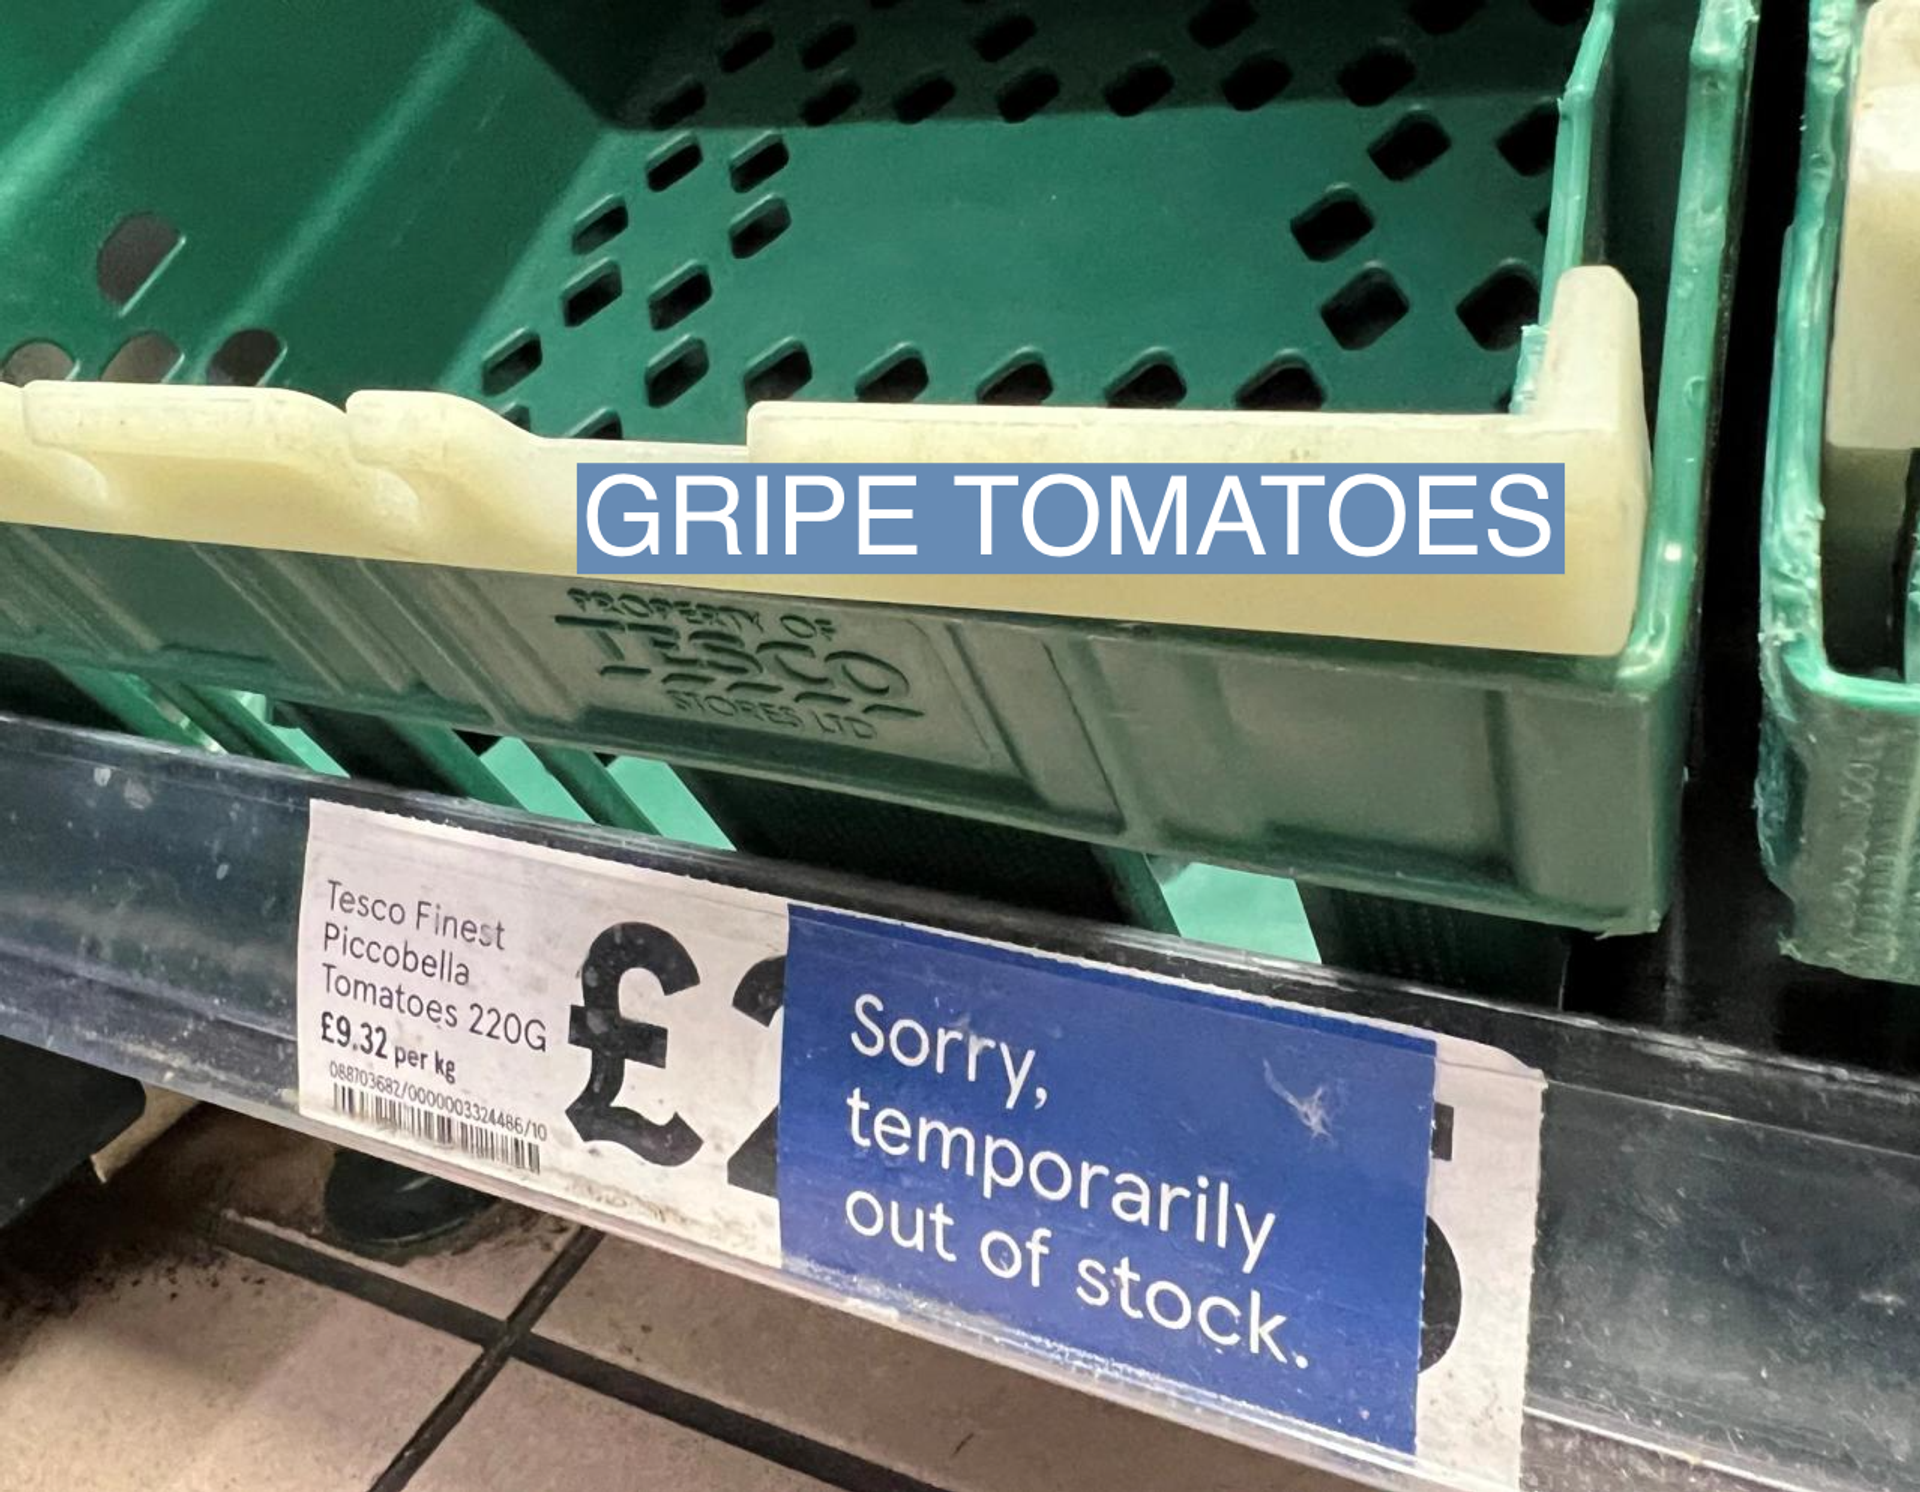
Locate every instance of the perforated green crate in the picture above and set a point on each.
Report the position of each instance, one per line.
(640, 226)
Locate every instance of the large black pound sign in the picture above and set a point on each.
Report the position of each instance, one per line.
(597, 1024)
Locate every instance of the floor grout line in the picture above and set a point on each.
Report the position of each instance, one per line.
(762, 1438)
(318, 1267)
(494, 1356)
(516, 1340)
(553, 1279)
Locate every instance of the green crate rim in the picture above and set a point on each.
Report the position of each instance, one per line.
(1792, 627)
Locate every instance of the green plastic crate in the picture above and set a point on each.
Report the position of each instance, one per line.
(641, 224)
(1840, 752)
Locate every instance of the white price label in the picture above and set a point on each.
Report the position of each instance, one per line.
(470, 998)
(1317, 1215)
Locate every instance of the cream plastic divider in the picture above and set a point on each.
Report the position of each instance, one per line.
(434, 478)
(1873, 381)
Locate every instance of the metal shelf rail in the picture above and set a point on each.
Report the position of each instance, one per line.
(1724, 1281)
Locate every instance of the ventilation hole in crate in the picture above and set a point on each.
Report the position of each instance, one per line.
(1285, 383)
(510, 364)
(1376, 74)
(245, 358)
(1528, 144)
(600, 227)
(32, 361)
(830, 102)
(827, 45)
(1503, 401)
(133, 254)
(1443, 17)
(1500, 307)
(479, 742)
(1027, 95)
(896, 379)
(674, 163)
(586, 299)
(760, 162)
(1561, 12)
(146, 358)
(1541, 220)
(1364, 310)
(924, 99)
(1004, 37)
(1139, 88)
(759, 226)
(602, 426)
(1220, 22)
(678, 297)
(1332, 225)
(1023, 380)
(1256, 82)
(679, 106)
(1152, 383)
(518, 414)
(745, 49)
(675, 371)
(1411, 146)
(780, 375)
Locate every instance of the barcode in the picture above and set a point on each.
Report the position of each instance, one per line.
(437, 1129)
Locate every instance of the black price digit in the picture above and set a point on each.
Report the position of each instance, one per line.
(754, 1167)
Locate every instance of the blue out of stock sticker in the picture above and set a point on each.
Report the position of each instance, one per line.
(1216, 1197)
(1223, 1192)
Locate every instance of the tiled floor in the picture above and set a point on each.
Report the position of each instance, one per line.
(190, 1329)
